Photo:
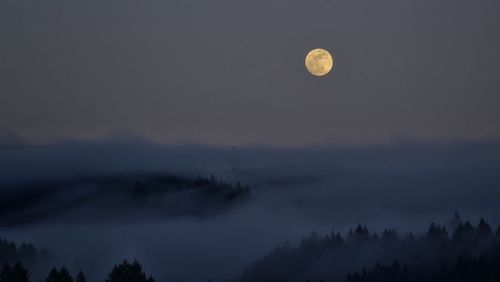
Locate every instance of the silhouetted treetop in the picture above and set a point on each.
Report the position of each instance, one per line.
(10, 252)
(80, 277)
(128, 272)
(16, 273)
(61, 275)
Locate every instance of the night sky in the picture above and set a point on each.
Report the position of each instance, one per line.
(232, 72)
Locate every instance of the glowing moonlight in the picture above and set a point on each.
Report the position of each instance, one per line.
(319, 62)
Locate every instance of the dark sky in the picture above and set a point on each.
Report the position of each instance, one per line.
(232, 73)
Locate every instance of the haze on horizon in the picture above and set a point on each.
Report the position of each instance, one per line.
(232, 73)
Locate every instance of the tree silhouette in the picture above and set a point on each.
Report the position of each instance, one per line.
(62, 275)
(473, 269)
(17, 273)
(437, 233)
(382, 273)
(10, 253)
(53, 275)
(80, 277)
(484, 229)
(128, 272)
(456, 220)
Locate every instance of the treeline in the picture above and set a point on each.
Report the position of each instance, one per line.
(153, 184)
(13, 260)
(122, 272)
(436, 255)
(128, 194)
(10, 252)
(213, 185)
(485, 268)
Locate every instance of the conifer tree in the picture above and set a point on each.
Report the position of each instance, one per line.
(128, 272)
(80, 277)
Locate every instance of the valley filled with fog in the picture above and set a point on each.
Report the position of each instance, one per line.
(185, 234)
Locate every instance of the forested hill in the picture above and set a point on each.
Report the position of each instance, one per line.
(437, 255)
(122, 197)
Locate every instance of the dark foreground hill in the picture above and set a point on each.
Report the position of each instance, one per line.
(122, 198)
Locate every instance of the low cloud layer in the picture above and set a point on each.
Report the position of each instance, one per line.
(294, 192)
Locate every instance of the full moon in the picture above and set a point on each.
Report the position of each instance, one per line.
(319, 62)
